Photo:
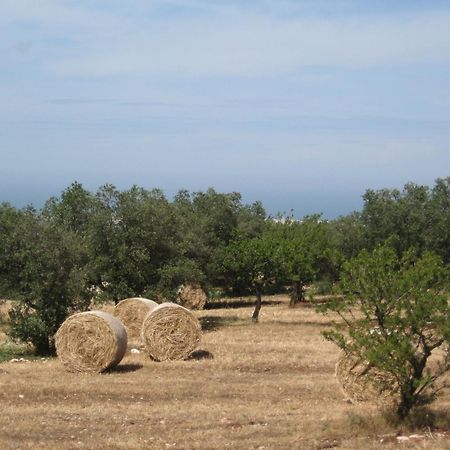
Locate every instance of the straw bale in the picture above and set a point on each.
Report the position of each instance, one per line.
(191, 296)
(170, 332)
(362, 382)
(5, 307)
(91, 341)
(3, 337)
(132, 312)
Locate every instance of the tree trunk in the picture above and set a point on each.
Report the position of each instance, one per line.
(297, 294)
(43, 347)
(407, 401)
(257, 307)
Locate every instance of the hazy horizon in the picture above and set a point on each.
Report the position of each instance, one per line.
(322, 203)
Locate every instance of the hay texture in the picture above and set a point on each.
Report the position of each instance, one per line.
(191, 296)
(132, 312)
(170, 332)
(91, 341)
(361, 382)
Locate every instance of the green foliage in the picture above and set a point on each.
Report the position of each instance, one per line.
(73, 210)
(208, 221)
(175, 274)
(136, 242)
(10, 350)
(322, 287)
(132, 234)
(285, 253)
(252, 263)
(396, 311)
(349, 234)
(438, 235)
(42, 268)
(416, 217)
(305, 249)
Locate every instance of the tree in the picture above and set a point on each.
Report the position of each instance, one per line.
(174, 274)
(42, 269)
(132, 235)
(396, 311)
(207, 222)
(416, 217)
(73, 210)
(252, 263)
(349, 234)
(438, 236)
(306, 251)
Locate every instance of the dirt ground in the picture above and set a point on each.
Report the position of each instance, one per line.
(269, 385)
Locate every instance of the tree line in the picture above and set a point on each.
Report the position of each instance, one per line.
(116, 244)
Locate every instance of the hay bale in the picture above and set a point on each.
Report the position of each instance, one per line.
(132, 312)
(5, 308)
(362, 382)
(191, 296)
(3, 337)
(170, 332)
(91, 341)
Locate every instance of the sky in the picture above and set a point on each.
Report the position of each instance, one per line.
(301, 104)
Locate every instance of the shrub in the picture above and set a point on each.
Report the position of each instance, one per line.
(405, 302)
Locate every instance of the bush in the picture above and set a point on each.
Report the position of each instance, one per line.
(404, 300)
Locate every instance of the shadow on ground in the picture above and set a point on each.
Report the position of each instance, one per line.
(302, 323)
(201, 354)
(125, 368)
(239, 303)
(212, 323)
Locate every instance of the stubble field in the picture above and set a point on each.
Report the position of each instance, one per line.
(250, 386)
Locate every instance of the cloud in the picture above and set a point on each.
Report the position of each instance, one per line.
(253, 46)
(216, 38)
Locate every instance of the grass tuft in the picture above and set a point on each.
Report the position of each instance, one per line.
(10, 350)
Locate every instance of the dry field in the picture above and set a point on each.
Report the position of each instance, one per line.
(251, 386)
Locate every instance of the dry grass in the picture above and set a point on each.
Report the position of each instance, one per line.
(269, 385)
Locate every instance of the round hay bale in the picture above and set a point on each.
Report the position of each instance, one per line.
(132, 312)
(362, 382)
(5, 307)
(3, 337)
(170, 332)
(91, 341)
(191, 296)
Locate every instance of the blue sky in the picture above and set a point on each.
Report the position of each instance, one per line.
(300, 104)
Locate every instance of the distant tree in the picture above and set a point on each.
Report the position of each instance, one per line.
(306, 251)
(207, 222)
(73, 210)
(133, 234)
(396, 312)
(176, 273)
(349, 234)
(438, 235)
(416, 217)
(252, 263)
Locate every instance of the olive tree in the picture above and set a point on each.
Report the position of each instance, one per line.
(253, 263)
(42, 268)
